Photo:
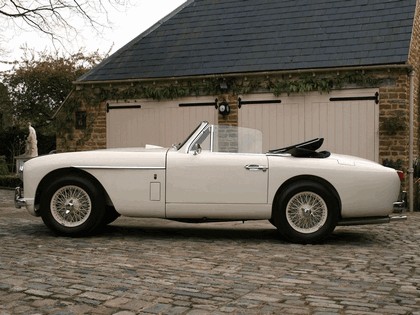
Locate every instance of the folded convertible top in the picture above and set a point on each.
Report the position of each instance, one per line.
(305, 149)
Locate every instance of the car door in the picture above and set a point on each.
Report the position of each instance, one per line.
(216, 185)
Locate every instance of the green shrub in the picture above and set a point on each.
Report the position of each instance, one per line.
(10, 181)
(4, 170)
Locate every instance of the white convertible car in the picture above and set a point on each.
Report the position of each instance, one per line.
(217, 174)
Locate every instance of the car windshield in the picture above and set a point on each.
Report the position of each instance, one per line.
(230, 139)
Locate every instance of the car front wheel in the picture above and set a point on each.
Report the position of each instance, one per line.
(73, 206)
(305, 212)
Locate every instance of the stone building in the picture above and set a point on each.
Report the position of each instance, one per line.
(342, 70)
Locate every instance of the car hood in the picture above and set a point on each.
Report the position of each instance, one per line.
(106, 158)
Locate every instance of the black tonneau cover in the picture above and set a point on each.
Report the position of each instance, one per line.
(305, 149)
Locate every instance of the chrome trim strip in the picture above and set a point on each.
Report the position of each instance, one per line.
(371, 220)
(211, 138)
(120, 167)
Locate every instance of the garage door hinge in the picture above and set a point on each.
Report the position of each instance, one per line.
(199, 104)
(109, 107)
(356, 98)
(241, 102)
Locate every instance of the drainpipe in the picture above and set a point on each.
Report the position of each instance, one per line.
(411, 145)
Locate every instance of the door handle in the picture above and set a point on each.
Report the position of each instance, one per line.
(256, 167)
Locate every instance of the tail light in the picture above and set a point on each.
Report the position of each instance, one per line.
(401, 175)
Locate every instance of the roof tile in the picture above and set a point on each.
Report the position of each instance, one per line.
(229, 36)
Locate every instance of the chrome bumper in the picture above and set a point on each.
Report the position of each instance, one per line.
(19, 200)
(393, 218)
(401, 204)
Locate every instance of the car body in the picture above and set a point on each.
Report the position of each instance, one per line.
(217, 174)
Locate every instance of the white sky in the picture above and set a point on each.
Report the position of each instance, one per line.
(127, 23)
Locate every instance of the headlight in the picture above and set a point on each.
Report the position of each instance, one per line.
(20, 171)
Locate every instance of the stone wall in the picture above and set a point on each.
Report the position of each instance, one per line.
(232, 118)
(75, 136)
(414, 61)
(394, 120)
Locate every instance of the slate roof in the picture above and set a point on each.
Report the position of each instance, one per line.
(204, 37)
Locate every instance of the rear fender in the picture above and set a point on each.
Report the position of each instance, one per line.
(311, 178)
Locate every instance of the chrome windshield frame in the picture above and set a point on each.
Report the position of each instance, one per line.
(211, 138)
(189, 142)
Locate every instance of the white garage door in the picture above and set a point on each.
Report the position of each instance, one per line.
(161, 123)
(347, 120)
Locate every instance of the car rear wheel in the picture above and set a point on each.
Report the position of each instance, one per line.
(305, 212)
(73, 206)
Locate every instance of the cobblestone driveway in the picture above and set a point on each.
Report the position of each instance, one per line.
(161, 267)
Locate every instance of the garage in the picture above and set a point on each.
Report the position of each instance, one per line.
(348, 120)
(134, 124)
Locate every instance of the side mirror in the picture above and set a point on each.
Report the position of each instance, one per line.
(197, 149)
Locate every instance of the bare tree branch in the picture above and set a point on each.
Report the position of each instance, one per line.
(55, 17)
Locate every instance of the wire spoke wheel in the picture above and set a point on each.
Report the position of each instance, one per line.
(306, 212)
(71, 206)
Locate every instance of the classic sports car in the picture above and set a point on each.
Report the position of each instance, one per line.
(217, 174)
